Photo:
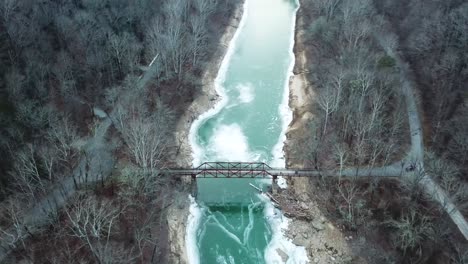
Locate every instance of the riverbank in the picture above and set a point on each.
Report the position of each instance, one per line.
(316, 223)
(178, 213)
(309, 227)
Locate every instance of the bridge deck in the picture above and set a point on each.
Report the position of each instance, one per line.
(239, 173)
(250, 170)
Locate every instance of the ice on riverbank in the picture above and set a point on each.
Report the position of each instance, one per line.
(285, 112)
(198, 152)
(194, 219)
(279, 223)
(230, 144)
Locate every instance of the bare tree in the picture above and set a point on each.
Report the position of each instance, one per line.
(15, 235)
(92, 222)
(168, 38)
(63, 135)
(32, 114)
(125, 50)
(146, 135)
(356, 24)
(145, 142)
(328, 7)
(26, 172)
(447, 174)
(198, 36)
(175, 32)
(329, 101)
(48, 157)
(341, 154)
(411, 230)
(353, 212)
(205, 7)
(377, 102)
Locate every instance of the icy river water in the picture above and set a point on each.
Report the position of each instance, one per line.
(230, 222)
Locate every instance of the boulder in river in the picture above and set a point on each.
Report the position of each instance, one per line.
(283, 255)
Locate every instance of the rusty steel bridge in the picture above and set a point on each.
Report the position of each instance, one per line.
(246, 170)
(249, 170)
(255, 170)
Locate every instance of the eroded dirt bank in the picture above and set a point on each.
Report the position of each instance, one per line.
(317, 223)
(179, 211)
(324, 241)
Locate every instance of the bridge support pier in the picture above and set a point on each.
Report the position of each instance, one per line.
(193, 185)
(274, 185)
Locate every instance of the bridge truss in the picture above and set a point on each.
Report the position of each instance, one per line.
(233, 170)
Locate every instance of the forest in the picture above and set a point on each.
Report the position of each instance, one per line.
(87, 86)
(363, 58)
(91, 91)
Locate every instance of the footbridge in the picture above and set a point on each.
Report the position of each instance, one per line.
(249, 170)
(253, 170)
(246, 170)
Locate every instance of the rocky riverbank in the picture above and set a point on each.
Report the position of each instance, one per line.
(324, 242)
(179, 211)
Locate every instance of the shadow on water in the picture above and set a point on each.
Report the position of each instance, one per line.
(242, 227)
(233, 222)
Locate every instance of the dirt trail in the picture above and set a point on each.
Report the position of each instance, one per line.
(322, 231)
(96, 164)
(416, 154)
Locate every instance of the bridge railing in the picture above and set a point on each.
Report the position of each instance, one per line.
(233, 170)
(260, 169)
(222, 165)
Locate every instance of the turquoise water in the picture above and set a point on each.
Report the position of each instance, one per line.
(232, 227)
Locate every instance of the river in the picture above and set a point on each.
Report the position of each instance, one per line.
(230, 222)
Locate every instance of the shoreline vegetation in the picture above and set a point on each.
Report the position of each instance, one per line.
(350, 220)
(87, 127)
(110, 166)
